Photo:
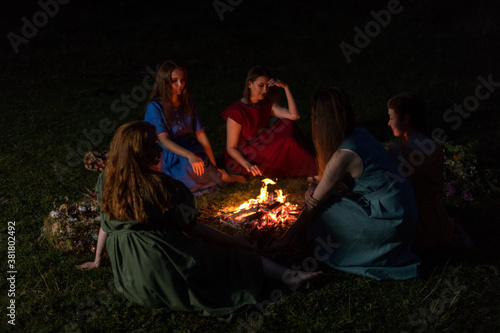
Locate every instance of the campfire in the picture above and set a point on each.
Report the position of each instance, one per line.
(268, 210)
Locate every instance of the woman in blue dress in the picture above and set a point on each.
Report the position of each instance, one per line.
(187, 154)
(362, 216)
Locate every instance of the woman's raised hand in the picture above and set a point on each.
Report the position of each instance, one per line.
(197, 164)
(278, 83)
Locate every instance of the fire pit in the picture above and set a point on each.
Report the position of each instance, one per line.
(267, 211)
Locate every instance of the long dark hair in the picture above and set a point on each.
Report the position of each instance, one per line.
(162, 91)
(333, 119)
(129, 179)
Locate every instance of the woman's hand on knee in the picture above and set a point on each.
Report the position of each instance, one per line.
(197, 164)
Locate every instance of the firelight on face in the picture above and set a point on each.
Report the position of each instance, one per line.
(178, 81)
(258, 89)
(398, 126)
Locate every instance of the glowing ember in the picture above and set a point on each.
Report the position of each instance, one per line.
(264, 211)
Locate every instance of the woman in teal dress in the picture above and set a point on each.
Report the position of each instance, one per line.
(362, 216)
(161, 257)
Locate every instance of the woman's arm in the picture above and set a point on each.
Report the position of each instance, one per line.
(233, 135)
(101, 245)
(292, 112)
(203, 231)
(195, 161)
(202, 138)
(343, 162)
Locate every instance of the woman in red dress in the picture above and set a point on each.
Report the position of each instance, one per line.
(253, 148)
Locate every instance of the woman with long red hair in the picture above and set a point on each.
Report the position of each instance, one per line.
(161, 257)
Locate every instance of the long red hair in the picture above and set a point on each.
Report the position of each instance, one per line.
(130, 181)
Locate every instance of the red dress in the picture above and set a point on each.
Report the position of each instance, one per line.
(435, 228)
(278, 151)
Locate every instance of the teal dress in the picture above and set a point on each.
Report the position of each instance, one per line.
(369, 229)
(157, 265)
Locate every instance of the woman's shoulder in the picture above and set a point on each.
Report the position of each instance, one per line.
(422, 144)
(361, 131)
(100, 182)
(358, 135)
(236, 105)
(234, 110)
(153, 106)
(154, 103)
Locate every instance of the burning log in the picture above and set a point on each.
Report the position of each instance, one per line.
(238, 215)
(265, 211)
(258, 214)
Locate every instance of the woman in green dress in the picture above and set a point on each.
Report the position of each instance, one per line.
(160, 256)
(362, 215)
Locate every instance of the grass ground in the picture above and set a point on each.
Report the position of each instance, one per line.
(67, 82)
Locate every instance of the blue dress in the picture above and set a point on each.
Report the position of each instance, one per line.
(182, 133)
(369, 230)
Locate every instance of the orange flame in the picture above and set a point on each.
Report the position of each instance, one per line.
(262, 198)
(286, 212)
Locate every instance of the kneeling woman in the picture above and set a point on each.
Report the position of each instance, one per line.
(370, 224)
(162, 258)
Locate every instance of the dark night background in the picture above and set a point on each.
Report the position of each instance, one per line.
(66, 77)
(437, 49)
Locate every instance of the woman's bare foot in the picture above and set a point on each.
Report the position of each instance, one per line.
(237, 179)
(227, 178)
(294, 278)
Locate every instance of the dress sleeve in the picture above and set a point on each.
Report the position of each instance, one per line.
(98, 191)
(154, 116)
(234, 113)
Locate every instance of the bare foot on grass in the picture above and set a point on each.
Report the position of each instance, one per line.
(227, 178)
(294, 278)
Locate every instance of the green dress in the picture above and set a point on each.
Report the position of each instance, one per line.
(157, 265)
(369, 229)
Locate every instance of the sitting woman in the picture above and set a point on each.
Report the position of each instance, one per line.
(421, 160)
(357, 220)
(175, 115)
(252, 148)
(160, 256)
